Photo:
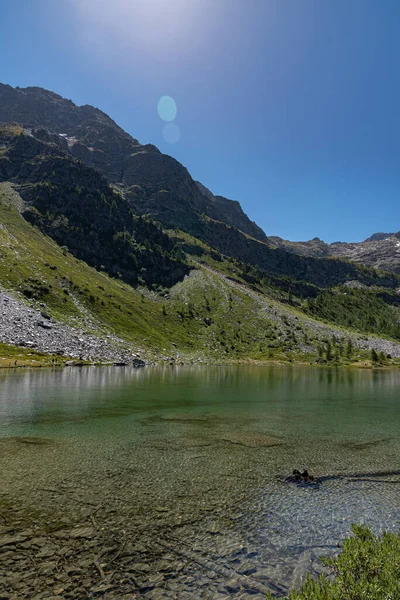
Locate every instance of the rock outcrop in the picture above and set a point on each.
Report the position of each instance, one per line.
(141, 170)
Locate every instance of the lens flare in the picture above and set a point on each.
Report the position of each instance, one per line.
(171, 133)
(167, 108)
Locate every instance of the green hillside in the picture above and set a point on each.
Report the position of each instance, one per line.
(223, 310)
(114, 239)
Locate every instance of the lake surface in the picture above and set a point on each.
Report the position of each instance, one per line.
(188, 465)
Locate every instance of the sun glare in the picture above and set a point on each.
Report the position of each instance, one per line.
(171, 133)
(149, 24)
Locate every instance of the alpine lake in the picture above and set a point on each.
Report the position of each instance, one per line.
(157, 483)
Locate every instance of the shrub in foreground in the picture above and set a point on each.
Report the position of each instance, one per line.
(368, 568)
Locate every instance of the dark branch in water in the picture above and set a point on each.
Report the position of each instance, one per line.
(359, 475)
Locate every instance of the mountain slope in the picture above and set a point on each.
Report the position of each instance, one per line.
(157, 185)
(128, 253)
(221, 311)
(76, 206)
(89, 135)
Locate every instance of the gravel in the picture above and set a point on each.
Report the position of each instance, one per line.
(31, 327)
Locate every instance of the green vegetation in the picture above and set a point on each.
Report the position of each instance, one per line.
(224, 311)
(367, 568)
(360, 309)
(75, 205)
(190, 316)
(10, 130)
(367, 310)
(73, 242)
(42, 271)
(13, 356)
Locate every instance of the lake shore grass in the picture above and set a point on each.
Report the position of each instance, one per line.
(15, 357)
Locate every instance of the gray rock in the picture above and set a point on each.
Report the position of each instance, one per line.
(247, 568)
(140, 567)
(12, 540)
(232, 586)
(137, 362)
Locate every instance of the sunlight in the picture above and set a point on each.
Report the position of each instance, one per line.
(147, 23)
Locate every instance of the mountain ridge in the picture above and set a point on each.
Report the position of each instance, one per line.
(156, 185)
(117, 238)
(120, 157)
(380, 250)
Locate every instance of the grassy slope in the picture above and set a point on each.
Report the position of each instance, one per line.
(12, 356)
(30, 261)
(206, 316)
(77, 293)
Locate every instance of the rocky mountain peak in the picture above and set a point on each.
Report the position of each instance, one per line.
(377, 237)
(153, 183)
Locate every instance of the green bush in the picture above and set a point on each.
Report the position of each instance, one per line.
(368, 568)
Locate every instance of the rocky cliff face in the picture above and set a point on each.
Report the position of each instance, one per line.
(315, 247)
(87, 132)
(377, 251)
(231, 213)
(381, 250)
(76, 206)
(155, 185)
(141, 170)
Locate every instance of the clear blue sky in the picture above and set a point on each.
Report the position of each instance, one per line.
(291, 107)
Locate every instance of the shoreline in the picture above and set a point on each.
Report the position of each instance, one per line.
(60, 364)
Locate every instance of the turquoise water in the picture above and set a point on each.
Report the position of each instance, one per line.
(201, 454)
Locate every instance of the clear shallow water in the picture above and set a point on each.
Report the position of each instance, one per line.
(192, 462)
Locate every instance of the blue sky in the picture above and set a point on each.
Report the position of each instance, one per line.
(291, 107)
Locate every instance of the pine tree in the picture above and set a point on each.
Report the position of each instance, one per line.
(374, 356)
(382, 358)
(349, 349)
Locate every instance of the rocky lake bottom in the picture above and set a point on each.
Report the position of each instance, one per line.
(171, 482)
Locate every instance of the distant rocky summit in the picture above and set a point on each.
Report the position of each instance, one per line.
(380, 250)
